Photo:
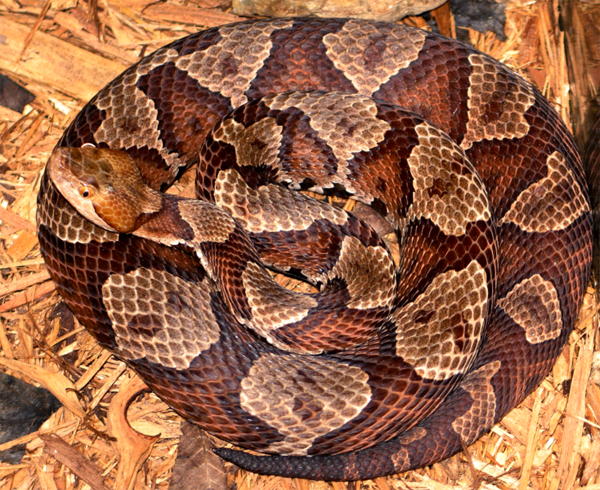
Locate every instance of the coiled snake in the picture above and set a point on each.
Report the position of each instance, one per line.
(386, 367)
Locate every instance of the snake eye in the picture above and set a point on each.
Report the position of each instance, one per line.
(86, 192)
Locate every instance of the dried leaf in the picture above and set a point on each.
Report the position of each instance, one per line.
(196, 465)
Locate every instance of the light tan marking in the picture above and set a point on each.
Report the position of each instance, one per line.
(369, 274)
(401, 458)
(209, 223)
(160, 317)
(552, 204)
(439, 333)
(255, 145)
(303, 397)
(347, 123)
(483, 408)
(272, 305)
(230, 65)
(270, 208)
(489, 79)
(131, 118)
(442, 195)
(533, 305)
(369, 55)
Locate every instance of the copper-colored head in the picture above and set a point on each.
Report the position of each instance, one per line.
(104, 185)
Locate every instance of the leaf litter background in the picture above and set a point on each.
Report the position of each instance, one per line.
(63, 52)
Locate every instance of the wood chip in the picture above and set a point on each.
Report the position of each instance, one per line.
(569, 456)
(189, 15)
(24, 244)
(23, 283)
(54, 62)
(74, 460)
(28, 296)
(532, 439)
(15, 220)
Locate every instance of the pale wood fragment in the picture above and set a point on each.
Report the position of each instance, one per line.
(28, 296)
(51, 61)
(573, 426)
(36, 26)
(532, 439)
(23, 283)
(517, 421)
(108, 384)
(15, 220)
(93, 370)
(7, 114)
(22, 245)
(74, 460)
(189, 15)
(72, 23)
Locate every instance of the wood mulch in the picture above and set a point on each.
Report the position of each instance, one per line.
(63, 54)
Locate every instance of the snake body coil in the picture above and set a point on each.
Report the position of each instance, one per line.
(387, 367)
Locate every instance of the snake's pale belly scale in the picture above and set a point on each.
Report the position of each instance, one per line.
(493, 267)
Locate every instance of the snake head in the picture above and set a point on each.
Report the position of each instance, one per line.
(105, 186)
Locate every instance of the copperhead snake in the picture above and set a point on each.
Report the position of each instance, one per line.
(387, 366)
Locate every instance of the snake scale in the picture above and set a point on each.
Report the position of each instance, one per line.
(386, 366)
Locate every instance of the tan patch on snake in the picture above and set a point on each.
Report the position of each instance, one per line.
(551, 204)
(401, 459)
(160, 317)
(369, 274)
(369, 55)
(255, 145)
(272, 305)
(347, 123)
(209, 223)
(533, 304)
(270, 208)
(229, 66)
(303, 398)
(444, 196)
(483, 405)
(439, 333)
(490, 83)
(131, 118)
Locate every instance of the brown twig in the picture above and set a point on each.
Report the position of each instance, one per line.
(36, 26)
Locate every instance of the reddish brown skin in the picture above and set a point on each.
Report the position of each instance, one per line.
(434, 86)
